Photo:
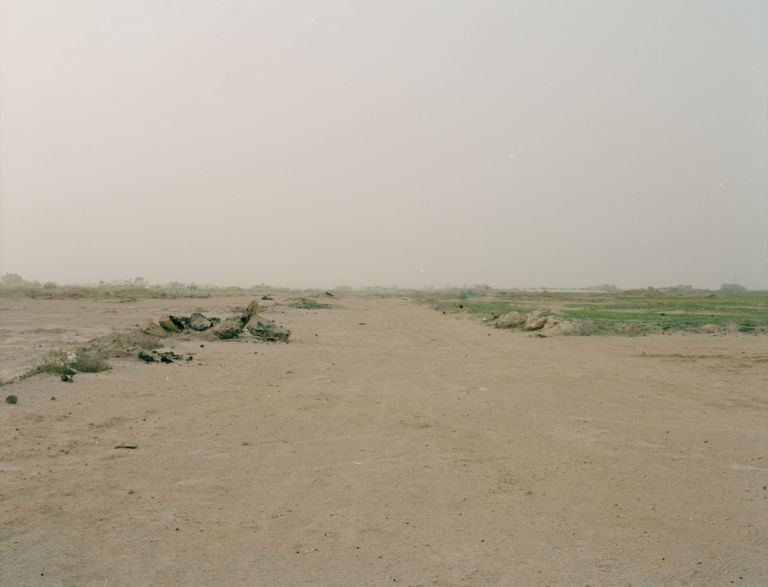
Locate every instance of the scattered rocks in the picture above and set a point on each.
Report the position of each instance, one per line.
(267, 329)
(162, 356)
(228, 328)
(199, 322)
(233, 326)
(169, 324)
(144, 340)
(152, 328)
(168, 356)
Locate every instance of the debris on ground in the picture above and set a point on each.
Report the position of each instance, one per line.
(146, 341)
(199, 322)
(168, 356)
(228, 328)
(267, 330)
(171, 323)
(232, 327)
(152, 328)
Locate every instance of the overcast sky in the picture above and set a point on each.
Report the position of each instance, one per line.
(406, 142)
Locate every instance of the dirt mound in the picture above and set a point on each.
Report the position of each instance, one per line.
(549, 320)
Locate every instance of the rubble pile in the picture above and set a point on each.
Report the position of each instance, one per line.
(213, 328)
(149, 341)
(547, 320)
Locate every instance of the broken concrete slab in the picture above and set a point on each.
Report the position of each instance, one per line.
(228, 328)
(170, 324)
(198, 322)
(267, 330)
(250, 310)
(152, 328)
(232, 327)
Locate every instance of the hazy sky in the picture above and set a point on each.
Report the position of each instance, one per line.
(407, 142)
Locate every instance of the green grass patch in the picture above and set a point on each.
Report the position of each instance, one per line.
(619, 313)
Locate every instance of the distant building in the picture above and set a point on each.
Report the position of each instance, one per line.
(11, 279)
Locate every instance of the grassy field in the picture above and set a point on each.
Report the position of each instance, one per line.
(638, 312)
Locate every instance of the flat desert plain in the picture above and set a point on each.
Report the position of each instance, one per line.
(385, 444)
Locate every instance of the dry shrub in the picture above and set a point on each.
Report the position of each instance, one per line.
(85, 361)
(89, 362)
(54, 363)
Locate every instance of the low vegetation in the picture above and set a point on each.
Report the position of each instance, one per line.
(629, 312)
(68, 364)
(308, 304)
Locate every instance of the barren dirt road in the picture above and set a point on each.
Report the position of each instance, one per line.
(386, 444)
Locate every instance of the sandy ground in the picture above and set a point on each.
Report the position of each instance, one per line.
(386, 444)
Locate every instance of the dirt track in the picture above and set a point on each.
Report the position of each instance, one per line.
(412, 449)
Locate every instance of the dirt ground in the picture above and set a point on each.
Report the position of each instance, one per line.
(386, 444)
